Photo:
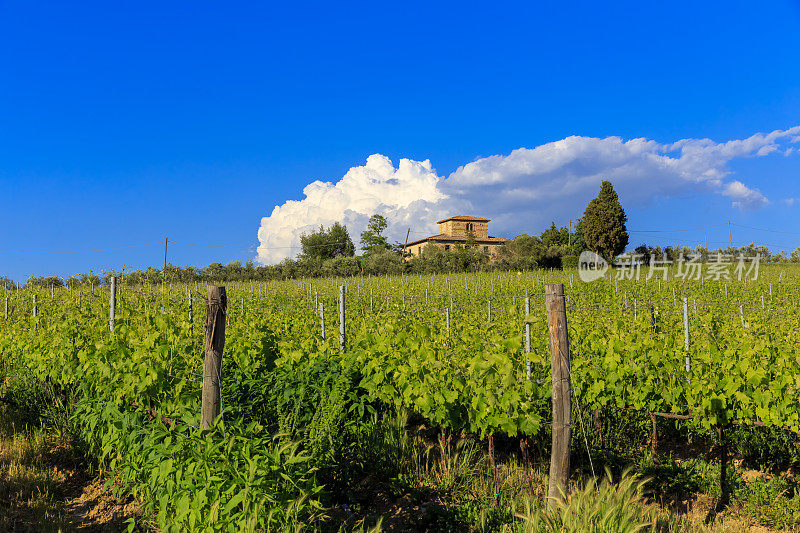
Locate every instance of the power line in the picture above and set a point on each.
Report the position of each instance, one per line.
(674, 230)
(765, 229)
(82, 251)
(251, 247)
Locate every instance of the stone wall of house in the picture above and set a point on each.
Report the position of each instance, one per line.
(460, 228)
(416, 249)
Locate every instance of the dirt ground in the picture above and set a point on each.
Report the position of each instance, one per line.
(44, 487)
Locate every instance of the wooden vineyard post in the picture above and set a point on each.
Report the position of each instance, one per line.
(341, 319)
(112, 302)
(191, 316)
(34, 306)
(527, 336)
(6, 308)
(493, 464)
(562, 407)
(216, 309)
(687, 356)
(523, 443)
(687, 359)
(723, 466)
(654, 438)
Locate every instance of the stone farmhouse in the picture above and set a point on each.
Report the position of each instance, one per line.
(458, 230)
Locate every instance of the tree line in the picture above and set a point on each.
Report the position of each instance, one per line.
(328, 252)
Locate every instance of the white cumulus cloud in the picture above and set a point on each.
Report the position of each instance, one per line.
(401, 194)
(521, 191)
(744, 197)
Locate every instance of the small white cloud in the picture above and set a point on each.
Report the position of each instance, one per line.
(744, 197)
(521, 191)
(791, 201)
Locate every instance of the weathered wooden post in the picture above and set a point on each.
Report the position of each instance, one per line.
(562, 407)
(34, 306)
(216, 309)
(112, 303)
(723, 467)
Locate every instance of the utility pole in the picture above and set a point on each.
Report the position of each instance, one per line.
(406, 244)
(705, 237)
(730, 234)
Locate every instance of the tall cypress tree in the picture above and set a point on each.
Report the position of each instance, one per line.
(603, 223)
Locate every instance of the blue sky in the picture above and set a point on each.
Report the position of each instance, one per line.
(121, 125)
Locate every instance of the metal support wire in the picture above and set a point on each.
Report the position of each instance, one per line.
(580, 414)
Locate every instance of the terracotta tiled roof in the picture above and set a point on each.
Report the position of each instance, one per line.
(465, 217)
(450, 238)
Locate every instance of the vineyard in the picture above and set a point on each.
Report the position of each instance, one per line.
(327, 382)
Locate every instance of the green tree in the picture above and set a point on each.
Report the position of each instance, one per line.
(554, 236)
(372, 239)
(603, 223)
(578, 242)
(386, 262)
(327, 244)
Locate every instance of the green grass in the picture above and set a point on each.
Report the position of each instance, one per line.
(33, 491)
